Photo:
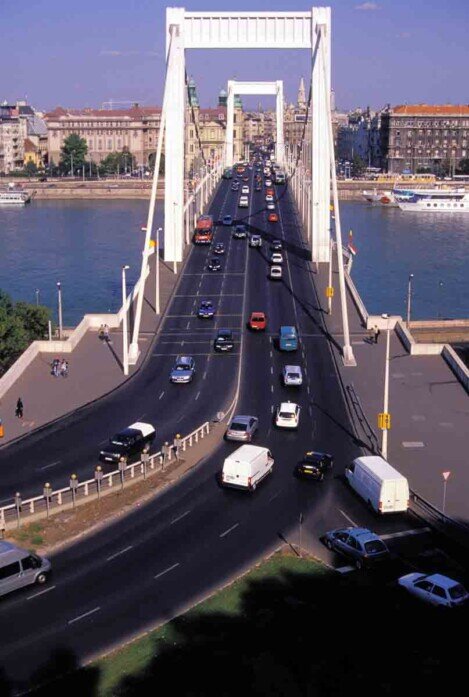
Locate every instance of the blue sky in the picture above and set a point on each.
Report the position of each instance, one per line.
(87, 52)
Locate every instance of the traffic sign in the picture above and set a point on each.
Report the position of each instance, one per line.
(446, 475)
(384, 421)
(329, 292)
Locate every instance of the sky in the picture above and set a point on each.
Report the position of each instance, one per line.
(75, 54)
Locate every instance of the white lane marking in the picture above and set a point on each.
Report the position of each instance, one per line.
(413, 444)
(404, 533)
(161, 395)
(272, 409)
(348, 517)
(197, 395)
(271, 388)
(46, 590)
(183, 515)
(345, 569)
(274, 496)
(271, 370)
(85, 614)
(307, 389)
(53, 464)
(227, 532)
(117, 554)
(188, 324)
(166, 571)
(103, 441)
(271, 354)
(310, 409)
(204, 375)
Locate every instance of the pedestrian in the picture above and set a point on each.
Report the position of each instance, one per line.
(19, 408)
(55, 367)
(177, 442)
(101, 332)
(166, 452)
(64, 368)
(376, 333)
(106, 334)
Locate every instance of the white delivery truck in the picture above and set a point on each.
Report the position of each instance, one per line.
(383, 488)
(246, 467)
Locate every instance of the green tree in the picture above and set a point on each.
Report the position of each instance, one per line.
(118, 162)
(463, 167)
(20, 323)
(151, 162)
(34, 318)
(73, 153)
(30, 168)
(358, 166)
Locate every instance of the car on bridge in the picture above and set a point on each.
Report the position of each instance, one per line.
(363, 547)
(245, 189)
(435, 589)
(276, 245)
(243, 202)
(288, 338)
(240, 232)
(219, 248)
(275, 273)
(287, 415)
(255, 241)
(183, 370)
(257, 321)
(268, 183)
(206, 310)
(224, 340)
(227, 220)
(235, 186)
(270, 206)
(276, 258)
(214, 264)
(292, 376)
(242, 428)
(128, 443)
(269, 198)
(314, 465)
(272, 218)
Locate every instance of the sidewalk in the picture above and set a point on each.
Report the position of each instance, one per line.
(429, 407)
(95, 368)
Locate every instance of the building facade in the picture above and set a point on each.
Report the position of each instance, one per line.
(361, 136)
(421, 137)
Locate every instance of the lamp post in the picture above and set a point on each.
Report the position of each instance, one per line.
(37, 296)
(157, 270)
(384, 445)
(175, 268)
(59, 307)
(125, 344)
(440, 293)
(409, 297)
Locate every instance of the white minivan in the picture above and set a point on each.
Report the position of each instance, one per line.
(19, 568)
(383, 488)
(246, 467)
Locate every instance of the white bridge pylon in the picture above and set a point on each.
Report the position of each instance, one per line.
(257, 88)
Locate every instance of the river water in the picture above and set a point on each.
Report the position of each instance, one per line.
(83, 244)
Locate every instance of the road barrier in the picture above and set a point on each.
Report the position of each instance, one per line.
(77, 493)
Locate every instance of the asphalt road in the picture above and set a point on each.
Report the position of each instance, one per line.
(175, 550)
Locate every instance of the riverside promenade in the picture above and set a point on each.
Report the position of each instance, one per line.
(95, 366)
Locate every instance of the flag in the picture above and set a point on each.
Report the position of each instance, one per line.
(351, 246)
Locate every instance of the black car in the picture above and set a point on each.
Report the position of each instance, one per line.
(314, 465)
(240, 232)
(128, 444)
(258, 187)
(219, 248)
(276, 246)
(214, 264)
(224, 340)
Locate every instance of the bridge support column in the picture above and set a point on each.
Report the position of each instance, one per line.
(174, 144)
(280, 144)
(321, 157)
(229, 125)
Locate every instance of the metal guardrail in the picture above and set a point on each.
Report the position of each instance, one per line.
(455, 530)
(77, 493)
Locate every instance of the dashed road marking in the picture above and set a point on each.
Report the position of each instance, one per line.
(347, 517)
(227, 532)
(53, 464)
(197, 396)
(183, 515)
(161, 395)
(85, 614)
(118, 554)
(271, 370)
(166, 571)
(272, 388)
(35, 595)
(413, 444)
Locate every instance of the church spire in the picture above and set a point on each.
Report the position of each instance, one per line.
(302, 95)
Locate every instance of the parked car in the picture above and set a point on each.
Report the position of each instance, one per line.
(287, 415)
(360, 545)
(292, 375)
(314, 465)
(240, 232)
(272, 217)
(183, 370)
(128, 443)
(435, 589)
(242, 428)
(255, 241)
(214, 264)
(275, 273)
(206, 310)
(227, 220)
(258, 321)
(224, 340)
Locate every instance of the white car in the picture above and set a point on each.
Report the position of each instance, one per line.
(435, 589)
(268, 182)
(270, 206)
(269, 198)
(276, 258)
(292, 375)
(245, 189)
(243, 202)
(287, 415)
(275, 273)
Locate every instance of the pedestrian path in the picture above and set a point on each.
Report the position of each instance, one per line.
(95, 369)
(429, 407)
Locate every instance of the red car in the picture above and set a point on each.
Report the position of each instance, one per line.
(273, 218)
(258, 321)
(269, 192)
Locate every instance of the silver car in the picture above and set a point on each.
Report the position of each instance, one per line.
(183, 370)
(292, 375)
(242, 428)
(255, 241)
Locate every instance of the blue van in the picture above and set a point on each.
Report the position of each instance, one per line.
(288, 340)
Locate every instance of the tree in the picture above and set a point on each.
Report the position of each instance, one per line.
(73, 153)
(358, 166)
(118, 162)
(30, 168)
(151, 162)
(35, 319)
(20, 323)
(463, 167)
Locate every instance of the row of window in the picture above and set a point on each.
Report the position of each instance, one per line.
(431, 131)
(432, 153)
(430, 143)
(436, 124)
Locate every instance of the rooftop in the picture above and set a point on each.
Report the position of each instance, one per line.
(432, 109)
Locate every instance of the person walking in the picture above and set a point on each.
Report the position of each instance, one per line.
(177, 442)
(107, 338)
(101, 332)
(64, 368)
(19, 408)
(55, 367)
(376, 333)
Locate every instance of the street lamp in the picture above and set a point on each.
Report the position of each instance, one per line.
(125, 344)
(409, 297)
(157, 270)
(59, 304)
(440, 293)
(384, 445)
(37, 296)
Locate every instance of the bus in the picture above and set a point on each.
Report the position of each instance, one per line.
(203, 233)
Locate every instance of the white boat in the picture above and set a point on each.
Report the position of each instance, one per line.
(14, 197)
(380, 197)
(437, 201)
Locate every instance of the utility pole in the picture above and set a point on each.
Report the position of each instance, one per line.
(409, 296)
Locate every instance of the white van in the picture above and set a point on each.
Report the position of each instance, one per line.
(380, 485)
(246, 467)
(19, 568)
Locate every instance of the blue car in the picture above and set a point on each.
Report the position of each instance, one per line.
(227, 220)
(288, 339)
(206, 310)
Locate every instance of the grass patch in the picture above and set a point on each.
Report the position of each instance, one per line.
(133, 658)
(29, 536)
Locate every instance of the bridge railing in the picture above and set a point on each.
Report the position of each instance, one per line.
(77, 493)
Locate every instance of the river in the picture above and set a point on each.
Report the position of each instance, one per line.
(84, 243)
